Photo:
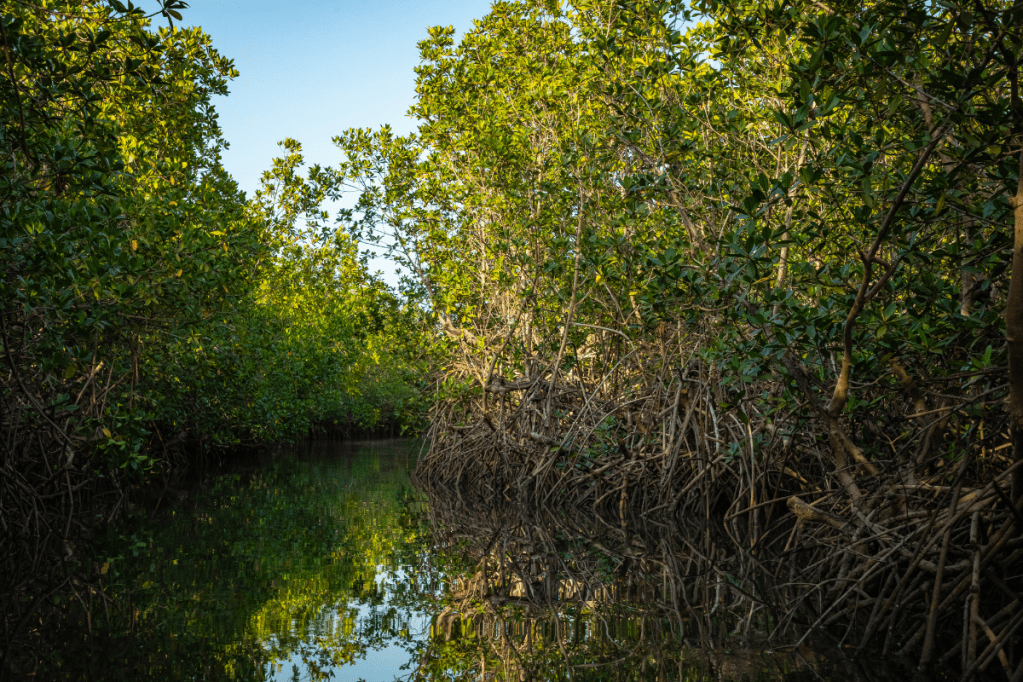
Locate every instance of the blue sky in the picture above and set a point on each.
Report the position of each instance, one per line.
(311, 69)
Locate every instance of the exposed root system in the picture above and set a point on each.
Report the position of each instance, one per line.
(775, 525)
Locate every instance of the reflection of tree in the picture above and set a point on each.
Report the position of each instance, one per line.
(497, 625)
(312, 567)
(283, 571)
(540, 595)
(513, 642)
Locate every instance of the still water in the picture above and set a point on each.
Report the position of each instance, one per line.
(329, 565)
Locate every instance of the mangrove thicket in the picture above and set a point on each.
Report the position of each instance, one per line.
(752, 266)
(153, 317)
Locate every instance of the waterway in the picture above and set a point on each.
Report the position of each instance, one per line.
(327, 564)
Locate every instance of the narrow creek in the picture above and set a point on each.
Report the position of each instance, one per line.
(332, 566)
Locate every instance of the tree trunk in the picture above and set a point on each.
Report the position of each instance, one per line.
(1014, 334)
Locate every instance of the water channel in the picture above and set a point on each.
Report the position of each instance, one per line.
(329, 564)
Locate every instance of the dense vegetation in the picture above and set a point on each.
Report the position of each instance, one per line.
(150, 314)
(748, 264)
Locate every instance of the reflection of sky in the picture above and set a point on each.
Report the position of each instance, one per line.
(380, 627)
(389, 622)
(382, 664)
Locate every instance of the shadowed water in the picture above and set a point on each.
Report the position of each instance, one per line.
(330, 565)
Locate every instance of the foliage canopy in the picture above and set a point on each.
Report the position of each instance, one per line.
(151, 314)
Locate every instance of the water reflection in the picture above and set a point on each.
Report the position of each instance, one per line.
(332, 566)
(313, 568)
(559, 595)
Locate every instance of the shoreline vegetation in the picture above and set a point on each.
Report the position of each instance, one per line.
(756, 268)
(748, 267)
(153, 318)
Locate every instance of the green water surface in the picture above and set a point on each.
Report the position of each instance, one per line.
(311, 568)
(324, 565)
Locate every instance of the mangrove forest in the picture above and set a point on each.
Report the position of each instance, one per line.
(707, 352)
